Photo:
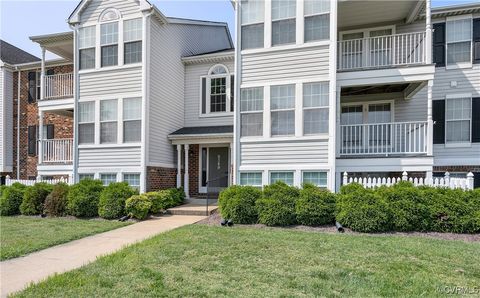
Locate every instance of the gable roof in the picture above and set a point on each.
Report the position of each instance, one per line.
(12, 55)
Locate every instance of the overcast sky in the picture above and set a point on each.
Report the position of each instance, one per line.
(20, 19)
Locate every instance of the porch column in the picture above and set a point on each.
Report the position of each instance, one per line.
(42, 76)
(179, 166)
(40, 137)
(428, 37)
(429, 119)
(185, 182)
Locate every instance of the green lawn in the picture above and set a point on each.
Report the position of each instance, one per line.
(206, 261)
(20, 235)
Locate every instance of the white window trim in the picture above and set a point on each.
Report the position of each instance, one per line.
(253, 172)
(302, 18)
(130, 41)
(121, 135)
(228, 87)
(263, 111)
(317, 171)
(90, 122)
(294, 109)
(100, 121)
(132, 173)
(96, 32)
(282, 171)
(458, 144)
(119, 43)
(303, 109)
(463, 64)
(117, 176)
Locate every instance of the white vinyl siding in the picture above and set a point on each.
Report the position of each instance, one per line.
(108, 121)
(97, 84)
(251, 178)
(251, 111)
(317, 20)
(286, 177)
(252, 27)
(316, 178)
(458, 116)
(282, 107)
(86, 122)
(119, 158)
(315, 108)
(283, 21)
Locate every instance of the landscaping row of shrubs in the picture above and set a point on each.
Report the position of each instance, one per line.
(88, 198)
(402, 207)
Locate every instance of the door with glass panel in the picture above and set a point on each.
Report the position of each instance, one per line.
(351, 121)
(380, 47)
(214, 165)
(351, 50)
(379, 118)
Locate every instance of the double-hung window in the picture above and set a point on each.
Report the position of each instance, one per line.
(459, 41)
(252, 16)
(251, 178)
(317, 20)
(315, 108)
(133, 179)
(283, 21)
(251, 111)
(132, 36)
(108, 121)
(86, 45)
(458, 120)
(86, 122)
(109, 43)
(282, 107)
(132, 120)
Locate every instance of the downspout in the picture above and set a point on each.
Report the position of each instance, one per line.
(76, 89)
(18, 121)
(236, 96)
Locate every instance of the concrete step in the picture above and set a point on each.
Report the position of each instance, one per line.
(192, 209)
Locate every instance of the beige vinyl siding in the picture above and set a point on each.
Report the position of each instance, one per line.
(193, 96)
(128, 8)
(6, 120)
(286, 64)
(110, 82)
(109, 157)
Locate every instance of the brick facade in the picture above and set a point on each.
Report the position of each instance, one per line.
(193, 169)
(63, 125)
(457, 168)
(161, 178)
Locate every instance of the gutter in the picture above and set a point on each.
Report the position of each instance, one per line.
(18, 120)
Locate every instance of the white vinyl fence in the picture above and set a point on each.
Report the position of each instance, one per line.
(9, 181)
(463, 183)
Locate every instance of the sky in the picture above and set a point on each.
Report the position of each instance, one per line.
(20, 19)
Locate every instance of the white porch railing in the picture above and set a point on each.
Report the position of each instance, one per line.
(463, 183)
(382, 51)
(384, 138)
(58, 86)
(57, 150)
(68, 180)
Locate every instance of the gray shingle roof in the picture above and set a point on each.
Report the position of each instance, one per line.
(203, 130)
(12, 55)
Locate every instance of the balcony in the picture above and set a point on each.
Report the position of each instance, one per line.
(382, 51)
(56, 151)
(58, 86)
(384, 139)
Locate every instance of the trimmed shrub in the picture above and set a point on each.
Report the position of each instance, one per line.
(138, 206)
(315, 206)
(238, 204)
(11, 199)
(178, 196)
(164, 199)
(83, 197)
(34, 198)
(112, 200)
(277, 205)
(56, 201)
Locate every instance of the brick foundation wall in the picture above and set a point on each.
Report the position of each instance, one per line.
(161, 178)
(63, 125)
(193, 169)
(457, 168)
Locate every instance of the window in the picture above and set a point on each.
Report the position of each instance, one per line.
(38, 80)
(316, 178)
(286, 177)
(86, 122)
(459, 41)
(218, 91)
(317, 20)
(86, 45)
(252, 15)
(282, 107)
(315, 108)
(458, 120)
(108, 178)
(251, 112)
(109, 44)
(85, 176)
(218, 94)
(132, 36)
(283, 21)
(132, 120)
(32, 140)
(108, 121)
(251, 178)
(132, 179)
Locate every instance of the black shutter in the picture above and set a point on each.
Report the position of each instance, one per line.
(232, 93)
(476, 41)
(439, 44)
(476, 180)
(438, 113)
(32, 86)
(50, 131)
(476, 120)
(204, 95)
(50, 72)
(32, 140)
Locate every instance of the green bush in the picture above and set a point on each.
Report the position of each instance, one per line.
(315, 206)
(178, 196)
(83, 197)
(164, 199)
(112, 200)
(138, 206)
(238, 204)
(11, 199)
(277, 205)
(56, 201)
(34, 198)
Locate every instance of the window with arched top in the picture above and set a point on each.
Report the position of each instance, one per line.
(217, 91)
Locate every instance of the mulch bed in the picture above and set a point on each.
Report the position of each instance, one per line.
(215, 218)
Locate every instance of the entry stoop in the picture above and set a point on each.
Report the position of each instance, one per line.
(194, 209)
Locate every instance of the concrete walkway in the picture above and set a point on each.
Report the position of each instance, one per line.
(16, 274)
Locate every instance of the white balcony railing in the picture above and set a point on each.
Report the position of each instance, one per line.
(396, 138)
(58, 86)
(382, 51)
(57, 150)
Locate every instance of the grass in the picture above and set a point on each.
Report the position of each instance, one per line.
(205, 261)
(21, 235)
